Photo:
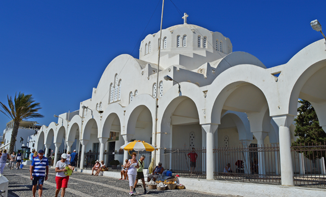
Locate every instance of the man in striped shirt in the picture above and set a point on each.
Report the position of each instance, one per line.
(39, 171)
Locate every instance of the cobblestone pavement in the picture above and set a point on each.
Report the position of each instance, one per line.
(87, 186)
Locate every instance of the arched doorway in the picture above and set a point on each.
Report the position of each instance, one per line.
(140, 127)
(180, 133)
(92, 147)
(112, 134)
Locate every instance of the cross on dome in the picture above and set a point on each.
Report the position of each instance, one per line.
(185, 15)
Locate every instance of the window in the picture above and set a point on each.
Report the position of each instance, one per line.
(221, 49)
(154, 90)
(199, 41)
(161, 88)
(111, 93)
(164, 43)
(178, 41)
(116, 88)
(149, 47)
(192, 139)
(136, 93)
(146, 49)
(216, 45)
(119, 90)
(205, 42)
(184, 41)
(130, 97)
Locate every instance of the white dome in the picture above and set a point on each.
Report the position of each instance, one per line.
(186, 45)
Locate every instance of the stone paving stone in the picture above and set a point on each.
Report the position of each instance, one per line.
(20, 186)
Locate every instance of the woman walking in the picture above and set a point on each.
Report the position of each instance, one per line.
(61, 179)
(12, 161)
(132, 166)
(3, 160)
(18, 160)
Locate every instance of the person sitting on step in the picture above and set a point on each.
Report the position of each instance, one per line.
(124, 171)
(96, 166)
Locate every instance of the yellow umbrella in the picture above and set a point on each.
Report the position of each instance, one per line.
(138, 145)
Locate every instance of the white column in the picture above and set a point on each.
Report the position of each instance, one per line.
(246, 163)
(57, 146)
(284, 123)
(103, 141)
(69, 144)
(210, 129)
(203, 146)
(276, 164)
(47, 149)
(125, 153)
(301, 164)
(322, 165)
(215, 147)
(105, 158)
(170, 146)
(82, 156)
(260, 136)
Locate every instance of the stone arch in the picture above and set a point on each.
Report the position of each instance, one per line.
(60, 135)
(40, 141)
(112, 122)
(142, 100)
(73, 132)
(238, 96)
(187, 114)
(50, 137)
(90, 127)
(253, 85)
(171, 99)
(141, 117)
(140, 126)
(241, 122)
(309, 86)
(179, 128)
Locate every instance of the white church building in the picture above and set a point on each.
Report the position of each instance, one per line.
(225, 97)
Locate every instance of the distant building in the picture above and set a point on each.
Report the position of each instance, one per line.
(26, 128)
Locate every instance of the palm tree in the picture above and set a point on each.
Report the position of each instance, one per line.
(21, 108)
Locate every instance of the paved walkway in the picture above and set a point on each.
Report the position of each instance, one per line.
(84, 185)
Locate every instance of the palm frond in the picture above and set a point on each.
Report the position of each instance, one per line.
(6, 111)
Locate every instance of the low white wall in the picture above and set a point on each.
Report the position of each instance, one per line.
(111, 174)
(4, 185)
(249, 189)
(237, 188)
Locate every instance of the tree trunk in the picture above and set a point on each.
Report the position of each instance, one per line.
(13, 137)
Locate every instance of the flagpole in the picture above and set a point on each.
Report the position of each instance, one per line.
(157, 81)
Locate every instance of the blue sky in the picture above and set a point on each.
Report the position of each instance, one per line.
(57, 50)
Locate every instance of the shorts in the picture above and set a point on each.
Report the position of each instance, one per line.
(140, 175)
(19, 161)
(193, 164)
(73, 163)
(62, 182)
(38, 180)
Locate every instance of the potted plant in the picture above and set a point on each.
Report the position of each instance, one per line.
(114, 164)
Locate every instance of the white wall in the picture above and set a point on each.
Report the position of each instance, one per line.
(24, 133)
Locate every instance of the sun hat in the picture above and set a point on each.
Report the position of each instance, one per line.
(97, 161)
(64, 156)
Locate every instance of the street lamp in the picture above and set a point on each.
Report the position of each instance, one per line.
(58, 117)
(317, 26)
(99, 111)
(168, 78)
